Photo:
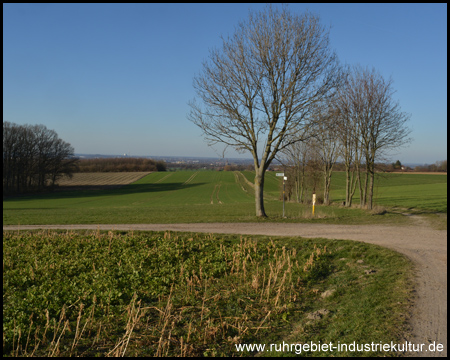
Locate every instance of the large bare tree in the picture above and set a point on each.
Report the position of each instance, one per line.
(257, 90)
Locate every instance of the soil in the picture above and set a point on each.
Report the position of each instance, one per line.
(100, 179)
(426, 247)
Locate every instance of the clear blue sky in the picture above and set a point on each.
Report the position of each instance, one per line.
(117, 78)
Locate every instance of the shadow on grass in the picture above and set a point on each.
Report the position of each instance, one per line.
(413, 203)
(104, 190)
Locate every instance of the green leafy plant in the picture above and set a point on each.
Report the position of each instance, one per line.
(169, 294)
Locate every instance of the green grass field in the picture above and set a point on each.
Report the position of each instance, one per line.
(420, 192)
(217, 196)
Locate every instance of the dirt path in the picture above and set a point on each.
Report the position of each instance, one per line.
(426, 247)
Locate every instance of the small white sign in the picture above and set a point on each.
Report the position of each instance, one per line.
(285, 178)
(280, 174)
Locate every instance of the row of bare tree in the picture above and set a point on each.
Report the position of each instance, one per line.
(34, 157)
(276, 83)
(356, 126)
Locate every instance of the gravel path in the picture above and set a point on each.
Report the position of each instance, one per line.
(426, 247)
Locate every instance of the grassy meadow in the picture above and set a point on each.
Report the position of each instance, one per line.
(182, 294)
(218, 196)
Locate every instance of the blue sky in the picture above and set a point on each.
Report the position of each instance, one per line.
(117, 78)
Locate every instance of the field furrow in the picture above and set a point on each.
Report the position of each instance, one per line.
(100, 179)
(190, 179)
(212, 195)
(217, 194)
(163, 179)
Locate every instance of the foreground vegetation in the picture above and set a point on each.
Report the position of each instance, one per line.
(213, 196)
(169, 294)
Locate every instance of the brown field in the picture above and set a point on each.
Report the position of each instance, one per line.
(100, 180)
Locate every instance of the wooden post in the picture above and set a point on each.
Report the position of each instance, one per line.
(313, 202)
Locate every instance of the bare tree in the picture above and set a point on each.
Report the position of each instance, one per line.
(257, 91)
(378, 125)
(349, 137)
(305, 166)
(327, 144)
(295, 158)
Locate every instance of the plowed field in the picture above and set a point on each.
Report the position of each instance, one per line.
(100, 179)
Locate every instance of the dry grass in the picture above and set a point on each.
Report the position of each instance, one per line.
(378, 210)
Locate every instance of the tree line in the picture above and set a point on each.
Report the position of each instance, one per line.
(439, 166)
(120, 165)
(358, 125)
(34, 158)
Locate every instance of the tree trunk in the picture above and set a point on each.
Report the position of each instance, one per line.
(363, 189)
(350, 184)
(370, 191)
(326, 190)
(347, 187)
(302, 185)
(259, 194)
